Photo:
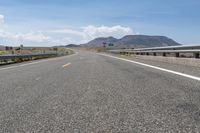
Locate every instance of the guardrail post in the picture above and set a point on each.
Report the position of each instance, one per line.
(196, 55)
(163, 54)
(177, 54)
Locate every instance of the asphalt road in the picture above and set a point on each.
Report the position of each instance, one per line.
(88, 92)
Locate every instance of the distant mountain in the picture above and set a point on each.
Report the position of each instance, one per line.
(72, 45)
(68, 46)
(133, 41)
(100, 41)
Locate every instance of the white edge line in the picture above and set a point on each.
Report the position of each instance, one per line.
(155, 67)
(66, 64)
(32, 63)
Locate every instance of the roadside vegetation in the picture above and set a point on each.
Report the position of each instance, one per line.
(2, 52)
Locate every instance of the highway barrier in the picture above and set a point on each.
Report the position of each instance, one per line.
(23, 57)
(176, 50)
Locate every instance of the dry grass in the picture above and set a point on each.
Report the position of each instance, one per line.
(2, 52)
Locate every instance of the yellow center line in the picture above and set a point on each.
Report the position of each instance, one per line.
(66, 64)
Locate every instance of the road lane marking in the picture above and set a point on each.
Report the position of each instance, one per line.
(66, 65)
(34, 62)
(38, 78)
(155, 67)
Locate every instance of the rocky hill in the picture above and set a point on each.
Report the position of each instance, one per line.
(132, 41)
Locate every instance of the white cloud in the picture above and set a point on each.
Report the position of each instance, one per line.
(30, 36)
(64, 36)
(118, 31)
(68, 31)
(62, 41)
(14, 38)
(94, 31)
(90, 32)
(1, 19)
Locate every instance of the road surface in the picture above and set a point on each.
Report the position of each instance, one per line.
(88, 92)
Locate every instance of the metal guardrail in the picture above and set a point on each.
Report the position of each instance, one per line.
(195, 50)
(182, 47)
(25, 56)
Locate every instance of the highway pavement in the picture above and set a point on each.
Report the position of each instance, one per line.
(89, 92)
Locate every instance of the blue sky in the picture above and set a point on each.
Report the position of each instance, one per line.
(52, 22)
